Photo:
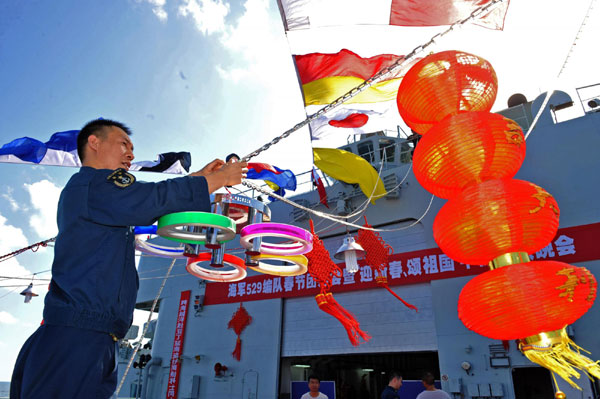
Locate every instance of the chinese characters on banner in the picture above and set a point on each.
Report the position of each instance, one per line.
(572, 244)
(173, 384)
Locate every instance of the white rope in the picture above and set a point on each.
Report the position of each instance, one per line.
(139, 344)
(327, 215)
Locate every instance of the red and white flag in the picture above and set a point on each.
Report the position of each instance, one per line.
(307, 14)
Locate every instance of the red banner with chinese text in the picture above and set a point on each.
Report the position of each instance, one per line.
(174, 370)
(571, 245)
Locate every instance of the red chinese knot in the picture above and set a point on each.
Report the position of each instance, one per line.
(240, 320)
(377, 254)
(322, 269)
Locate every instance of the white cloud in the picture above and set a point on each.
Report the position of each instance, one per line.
(208, 15)
(44, 200)
(14, 205)
(158, 8)
(257, 43)
(7, 318)
(11, 238)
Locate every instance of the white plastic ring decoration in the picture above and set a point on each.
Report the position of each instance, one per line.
(236, 274)
(162, 251)
(302, 239)
(299, 265)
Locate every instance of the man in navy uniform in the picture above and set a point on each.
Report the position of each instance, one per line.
(94, 281)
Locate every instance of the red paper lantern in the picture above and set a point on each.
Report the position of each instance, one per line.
(443, 84)
(525, 299)
(494, 218)
(468, 148)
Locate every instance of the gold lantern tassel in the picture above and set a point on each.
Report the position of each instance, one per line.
(558, 353)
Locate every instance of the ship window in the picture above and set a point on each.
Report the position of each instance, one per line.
(387, 149)
(365, 150)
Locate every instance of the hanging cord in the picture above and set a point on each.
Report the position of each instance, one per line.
(581, 27)
(328, 216)
(375, 78)
(32, 247)
(139, 344)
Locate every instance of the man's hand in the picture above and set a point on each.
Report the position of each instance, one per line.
(211, 167)
(226, 175)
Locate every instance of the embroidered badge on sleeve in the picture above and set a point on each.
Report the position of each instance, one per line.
(121, 178)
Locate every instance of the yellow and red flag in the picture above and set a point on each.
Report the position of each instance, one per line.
(325, 77)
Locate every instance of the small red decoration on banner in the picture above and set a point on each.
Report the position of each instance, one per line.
(322, 269)
(377, 256)
(240, 320)
(494, 218)
(445, 83)
(525, 299)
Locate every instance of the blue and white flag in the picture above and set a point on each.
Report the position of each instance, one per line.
(61, 150)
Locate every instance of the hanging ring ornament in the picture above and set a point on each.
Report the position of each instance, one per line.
(299, 265)
(162, 251)
(302, 239)
(243, 210)
(236, 274)
(190, 227)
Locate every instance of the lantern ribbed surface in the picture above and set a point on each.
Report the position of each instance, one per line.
(494, 218)
(468, 148)
(525, 299)
(443, 84)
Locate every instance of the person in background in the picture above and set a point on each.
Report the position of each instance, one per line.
(391, 391)
(314, 383)
(431, 392)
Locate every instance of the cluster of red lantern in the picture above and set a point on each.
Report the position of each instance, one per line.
(470, 156)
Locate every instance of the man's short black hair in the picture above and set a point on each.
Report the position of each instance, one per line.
(428, 378)
(313, 377)
(394, 374)
(96, 128)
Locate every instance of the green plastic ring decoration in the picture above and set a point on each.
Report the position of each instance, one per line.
(176, 227)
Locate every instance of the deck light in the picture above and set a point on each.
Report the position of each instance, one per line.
(349, 253)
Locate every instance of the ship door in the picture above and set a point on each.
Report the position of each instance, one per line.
(532, 383)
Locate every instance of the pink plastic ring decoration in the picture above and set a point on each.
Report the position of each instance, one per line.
(297, 265)
(238, 273)
(303, 240)
(162, 251)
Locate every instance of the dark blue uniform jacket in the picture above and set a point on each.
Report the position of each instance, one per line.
(94, 280)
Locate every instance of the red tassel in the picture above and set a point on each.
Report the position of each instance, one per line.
(382, 281)
(329, 305)
(349, 316)
(237, 352)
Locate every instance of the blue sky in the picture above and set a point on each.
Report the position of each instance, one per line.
(182, 76)
(205, 76)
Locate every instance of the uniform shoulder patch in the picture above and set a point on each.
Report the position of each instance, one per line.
(121, 178)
